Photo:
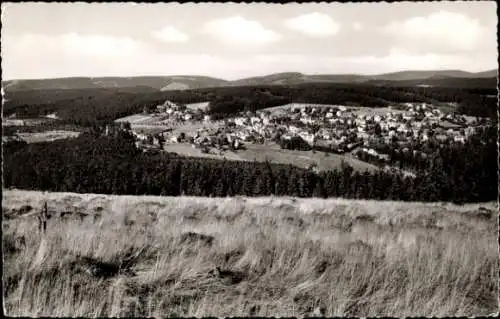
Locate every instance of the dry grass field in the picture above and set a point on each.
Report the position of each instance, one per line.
(186, 256)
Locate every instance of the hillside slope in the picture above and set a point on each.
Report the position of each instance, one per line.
(155, 82)
(195, 82)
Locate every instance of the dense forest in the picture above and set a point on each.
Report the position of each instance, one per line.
(90, 106)
(93, 163)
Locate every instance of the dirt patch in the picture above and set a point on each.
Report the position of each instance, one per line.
(195, 238)
(16, 212)
(359, 247)
(229, 276)
(47, 136)
(232, 256)
(295, 221)
(365, 218)
(12, 244)
(484, 213)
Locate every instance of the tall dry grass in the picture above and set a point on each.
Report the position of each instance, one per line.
(157, 257)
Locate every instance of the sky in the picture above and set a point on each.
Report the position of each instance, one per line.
(233, 41)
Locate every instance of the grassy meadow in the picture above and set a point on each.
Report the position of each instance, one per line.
(272, 256)
(274, 154)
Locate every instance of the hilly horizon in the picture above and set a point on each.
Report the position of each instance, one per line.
(185, 82)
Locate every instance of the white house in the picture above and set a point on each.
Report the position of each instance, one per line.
(459, 139)
(307, 120)
(255, 119)
(293, 129)
(240, 121)
(309, 138)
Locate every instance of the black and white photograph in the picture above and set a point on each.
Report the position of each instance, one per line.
(329, 159)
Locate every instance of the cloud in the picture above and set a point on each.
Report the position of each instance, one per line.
(99, 45)
(357, 26)
(454, 30)
(70, 43)
(170, 34)
(313, 24)
(238, 30)
(63, 55)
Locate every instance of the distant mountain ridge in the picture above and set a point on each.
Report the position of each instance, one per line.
(181, 82)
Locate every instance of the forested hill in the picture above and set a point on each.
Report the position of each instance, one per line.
(148, 82)
(185, 82)
(86, 107)
(112, 165)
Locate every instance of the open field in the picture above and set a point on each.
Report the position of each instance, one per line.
(374, 110)
(135, 119)
(156, 256)
(47, 136)
(274, 154)
(198, 106)
(23, 122)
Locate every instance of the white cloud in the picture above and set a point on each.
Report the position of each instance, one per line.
(170, 34)
(62, 56)
(313, 24)
(73, 43)
(99, 45)
(238, 30)
(457, 31)
(70, 43)
(357, 26)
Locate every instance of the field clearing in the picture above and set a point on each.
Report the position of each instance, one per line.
(447, 124)
(186, 149)
(198, 106)
(135, 119)
(24, 122)
(304, 159)
(47, 136)
(157, 256)
(274, 154)
(374, 110)
(175, 86)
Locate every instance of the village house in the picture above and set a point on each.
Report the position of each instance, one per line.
(255, 120)
(459, 139)
(240, 121)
